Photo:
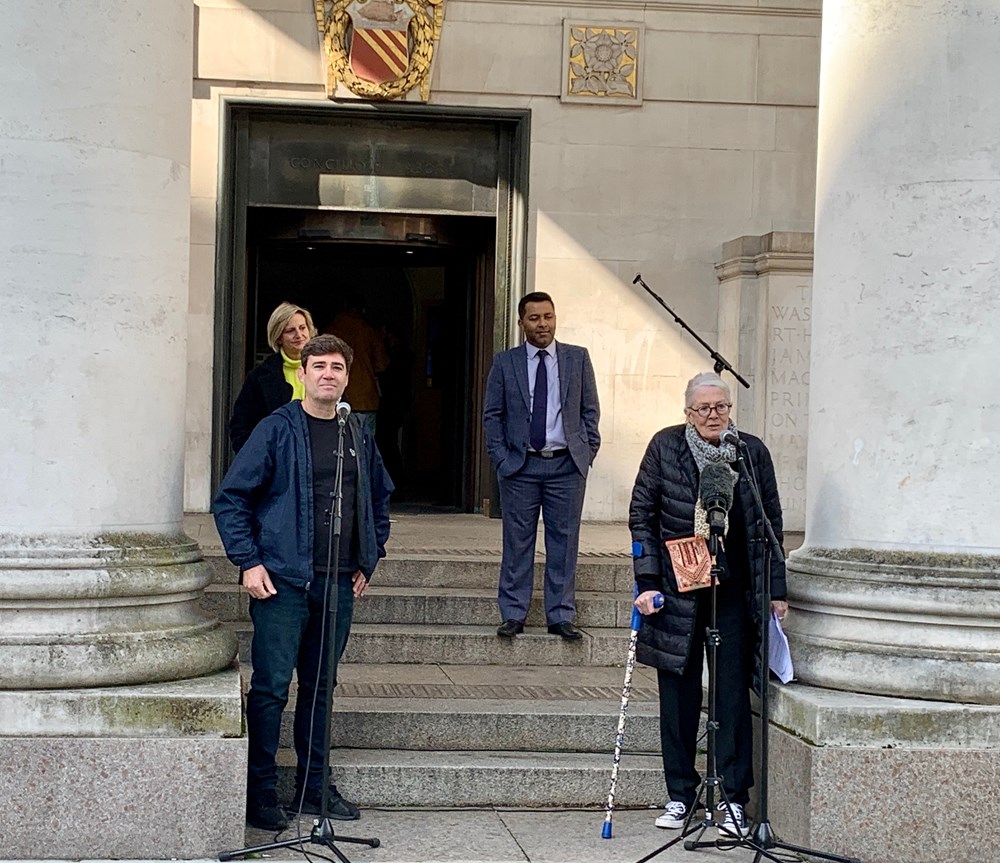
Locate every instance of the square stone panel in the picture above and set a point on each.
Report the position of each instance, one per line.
(602, 63)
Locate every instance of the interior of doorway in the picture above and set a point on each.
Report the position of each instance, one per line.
(428, 294)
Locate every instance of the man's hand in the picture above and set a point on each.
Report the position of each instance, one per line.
(780, 608)
(360, 583)
(258, 583)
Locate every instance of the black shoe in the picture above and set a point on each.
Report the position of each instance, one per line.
(339, 807)
(510, 628)
(566, 630)
(264, 813)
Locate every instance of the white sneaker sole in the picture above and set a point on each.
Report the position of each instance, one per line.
(668, 823)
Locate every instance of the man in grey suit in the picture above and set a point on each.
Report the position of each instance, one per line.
(540, 417)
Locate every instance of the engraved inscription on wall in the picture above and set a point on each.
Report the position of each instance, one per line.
(787, 409)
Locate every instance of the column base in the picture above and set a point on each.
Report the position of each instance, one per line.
(883, 779)
(900, 623)
(133, 772)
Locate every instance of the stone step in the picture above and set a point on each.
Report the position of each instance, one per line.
(612, 574)
(380, 643)
(389, 777)
(437, 605)
(426, 724)
(475, 708)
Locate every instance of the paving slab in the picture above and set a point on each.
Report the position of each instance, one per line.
(351, 672)
(450, 534)
(505, 836)
(557, 675)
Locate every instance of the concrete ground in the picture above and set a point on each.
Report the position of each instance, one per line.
(447, 535)
(504, 836)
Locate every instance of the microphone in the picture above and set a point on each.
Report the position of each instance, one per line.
(730, 436)
(716, 494)
(343, 412)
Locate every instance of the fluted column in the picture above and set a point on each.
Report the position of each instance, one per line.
(895, 590)
(98, 584)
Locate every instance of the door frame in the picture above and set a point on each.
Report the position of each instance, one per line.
(509, 261)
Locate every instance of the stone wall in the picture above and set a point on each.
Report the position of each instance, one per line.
(765, 314)
(722, 145)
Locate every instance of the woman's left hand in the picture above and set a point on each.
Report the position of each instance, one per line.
(780, 608)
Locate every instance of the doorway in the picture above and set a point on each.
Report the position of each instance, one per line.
(427, 299)
(417, 213)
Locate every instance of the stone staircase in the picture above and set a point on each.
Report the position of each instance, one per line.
(433, 709)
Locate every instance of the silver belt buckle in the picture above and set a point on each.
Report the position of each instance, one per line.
(546, 453)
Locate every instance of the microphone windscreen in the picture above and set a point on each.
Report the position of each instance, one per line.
(716, 486)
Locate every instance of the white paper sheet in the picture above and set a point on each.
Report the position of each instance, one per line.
(779, 657)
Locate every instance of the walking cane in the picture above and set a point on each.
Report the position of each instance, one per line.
(626, 693)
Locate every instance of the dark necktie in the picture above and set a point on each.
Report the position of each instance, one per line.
(539, 403)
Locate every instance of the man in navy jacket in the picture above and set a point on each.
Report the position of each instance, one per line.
(540, 418)
(274, 515)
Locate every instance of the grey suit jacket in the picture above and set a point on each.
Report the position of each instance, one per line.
(507, 408)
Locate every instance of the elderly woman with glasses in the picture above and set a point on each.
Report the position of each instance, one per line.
(665, 506)
(274, 382)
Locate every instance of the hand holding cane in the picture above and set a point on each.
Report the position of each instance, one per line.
(626, 693)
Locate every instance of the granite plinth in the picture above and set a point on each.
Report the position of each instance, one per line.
(141, 772)
(866, 777)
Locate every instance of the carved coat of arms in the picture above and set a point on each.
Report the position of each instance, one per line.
(379, 49)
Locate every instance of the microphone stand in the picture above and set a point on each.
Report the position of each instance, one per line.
(322, 832)
(720, 361)
(764, 836)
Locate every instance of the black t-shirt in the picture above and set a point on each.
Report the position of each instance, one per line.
(323, 436)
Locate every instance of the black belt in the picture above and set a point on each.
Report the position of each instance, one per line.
(549, 453)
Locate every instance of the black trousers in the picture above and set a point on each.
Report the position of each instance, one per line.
(681, 701)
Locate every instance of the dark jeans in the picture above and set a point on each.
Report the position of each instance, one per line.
(289, 635)
(681, 698)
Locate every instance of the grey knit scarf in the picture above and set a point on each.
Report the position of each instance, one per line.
(704, 453)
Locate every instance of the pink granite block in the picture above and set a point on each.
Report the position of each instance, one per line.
(884, 805)
(151, 798)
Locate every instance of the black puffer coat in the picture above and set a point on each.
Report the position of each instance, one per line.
(264, 391)
(663, 504)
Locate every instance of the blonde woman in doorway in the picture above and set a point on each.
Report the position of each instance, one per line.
(274, 382)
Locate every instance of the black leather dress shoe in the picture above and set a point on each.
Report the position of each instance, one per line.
(339, 808)
(264, 814)
(566, 630)
(510, 628)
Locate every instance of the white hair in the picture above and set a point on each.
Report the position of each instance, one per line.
(704, 379)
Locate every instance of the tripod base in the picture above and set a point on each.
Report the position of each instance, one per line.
(699, 829)
(764, 836)
(322, 834)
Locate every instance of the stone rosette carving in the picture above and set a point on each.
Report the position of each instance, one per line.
(602, 64)
(379, 49)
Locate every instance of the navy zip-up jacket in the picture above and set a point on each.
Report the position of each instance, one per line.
(264, 509)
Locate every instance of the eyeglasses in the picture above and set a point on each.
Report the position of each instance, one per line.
(722, 409)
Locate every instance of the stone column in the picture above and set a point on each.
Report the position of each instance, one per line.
(897, 581)
(98, 584)
(895, 591)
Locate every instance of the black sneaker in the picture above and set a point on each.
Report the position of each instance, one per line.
(339, 808)
(734, 821)
(264, 813)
